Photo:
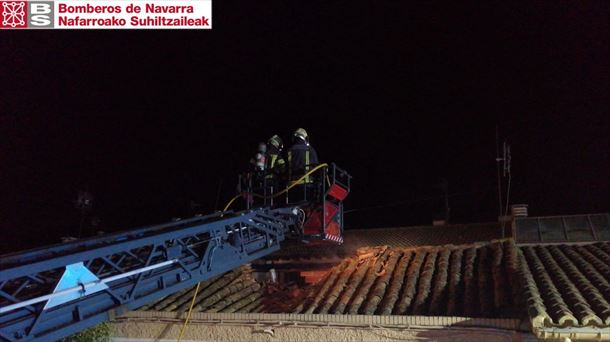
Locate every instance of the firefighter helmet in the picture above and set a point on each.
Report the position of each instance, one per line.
(277, 142)
(301, 133)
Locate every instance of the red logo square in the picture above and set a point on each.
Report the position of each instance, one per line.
(13, 14)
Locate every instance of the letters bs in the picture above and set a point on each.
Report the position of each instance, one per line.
(40, 14)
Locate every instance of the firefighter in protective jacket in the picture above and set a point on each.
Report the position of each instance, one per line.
(276, 165)
(301, 156)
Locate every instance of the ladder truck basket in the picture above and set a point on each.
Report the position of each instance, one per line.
(324, 218)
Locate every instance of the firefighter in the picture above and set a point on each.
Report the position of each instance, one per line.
(302, 157)
(276, 165)
(259, 161)
(254, 181)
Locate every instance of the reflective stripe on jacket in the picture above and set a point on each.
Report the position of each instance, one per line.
(276, 164)
(302, 157)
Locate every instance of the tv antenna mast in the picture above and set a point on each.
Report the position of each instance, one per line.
(503, 163)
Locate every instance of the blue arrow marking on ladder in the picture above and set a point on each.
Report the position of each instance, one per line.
(75, 275)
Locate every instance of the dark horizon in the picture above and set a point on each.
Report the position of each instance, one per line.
(148, 121)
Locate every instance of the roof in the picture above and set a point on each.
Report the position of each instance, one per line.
(561, 289)
(553, 285)
(567, 285)
(234, 291)
(472, 280)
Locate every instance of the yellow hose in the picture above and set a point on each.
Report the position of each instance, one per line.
(188, 315)
(295, 183)
(231, 202)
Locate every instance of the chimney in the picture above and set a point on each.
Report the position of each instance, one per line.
(518, 210)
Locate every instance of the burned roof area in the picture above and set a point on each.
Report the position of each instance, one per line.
(456, 234)
(474, 280)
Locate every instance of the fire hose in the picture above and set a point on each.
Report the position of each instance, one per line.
(295, 183)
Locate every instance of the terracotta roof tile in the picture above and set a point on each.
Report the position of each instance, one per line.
(234, 291)
(567, 285)
(555, 285)
(470, 280)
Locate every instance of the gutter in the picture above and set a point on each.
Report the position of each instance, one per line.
(566, 334)
(325, 320)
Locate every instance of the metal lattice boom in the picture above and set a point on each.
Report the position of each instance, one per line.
(137, 267)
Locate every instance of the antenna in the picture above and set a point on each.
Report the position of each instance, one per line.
(506, 157)
(506, 173)
(498, 160)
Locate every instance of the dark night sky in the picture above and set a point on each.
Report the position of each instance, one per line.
(400, 94)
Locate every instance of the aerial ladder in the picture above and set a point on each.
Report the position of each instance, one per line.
(53, 292)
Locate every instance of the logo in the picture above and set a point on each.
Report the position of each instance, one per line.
(105, 14)
(26, 14)
(13, 14)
